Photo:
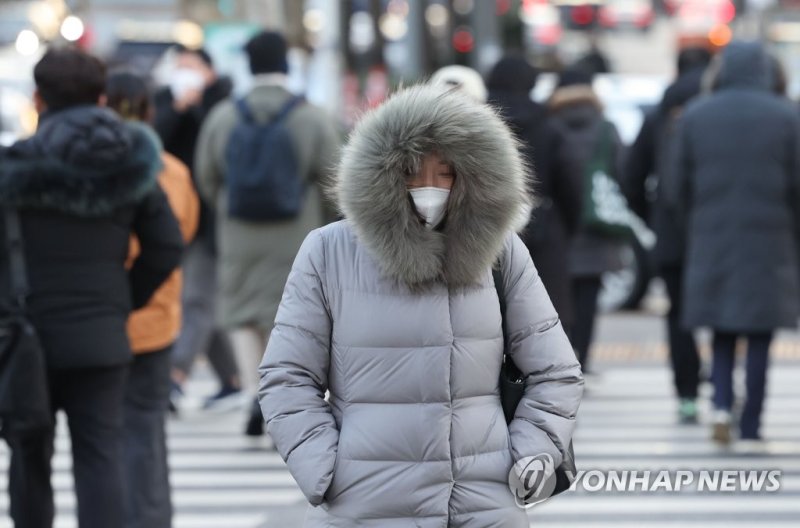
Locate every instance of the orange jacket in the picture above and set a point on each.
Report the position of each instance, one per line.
(156, 326)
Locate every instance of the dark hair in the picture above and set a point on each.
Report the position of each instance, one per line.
(200, 52)
(693, 58)
(512, 73)
(68, 77)
(129, 95)
(267, 53)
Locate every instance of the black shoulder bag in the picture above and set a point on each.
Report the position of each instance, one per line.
(512, 389)
(24, 394)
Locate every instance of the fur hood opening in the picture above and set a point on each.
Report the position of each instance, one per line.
(488, 196)
(83, 161)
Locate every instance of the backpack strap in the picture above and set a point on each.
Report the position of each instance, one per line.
(249, 117)
(244, 110)
(287, 108)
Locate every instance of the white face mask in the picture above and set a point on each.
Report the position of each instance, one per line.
(431, 203)
(184, 80)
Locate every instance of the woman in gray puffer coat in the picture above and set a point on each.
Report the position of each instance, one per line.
(394, 311)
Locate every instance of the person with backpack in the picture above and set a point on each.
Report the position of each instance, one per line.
(260, 162)
(555, 220)
(647, 164)
(734, 186)
(152, 330)
(396, 313)
(589, 141)
(77, 190)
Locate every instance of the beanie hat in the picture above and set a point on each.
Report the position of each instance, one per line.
(267, 53)
(574, 76)
(465, 79)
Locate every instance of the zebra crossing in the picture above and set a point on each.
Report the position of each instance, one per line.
(627, 421)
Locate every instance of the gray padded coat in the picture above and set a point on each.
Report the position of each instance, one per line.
(402, 326)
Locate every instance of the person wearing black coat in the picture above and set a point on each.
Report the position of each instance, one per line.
(180, 110)
(576, 113)
(646, 164)
(82, 185)
(735, 186)
(556, 218)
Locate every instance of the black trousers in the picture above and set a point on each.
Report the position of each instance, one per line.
(683, 352)
(585, 291)
(92, 400)
(148, 502)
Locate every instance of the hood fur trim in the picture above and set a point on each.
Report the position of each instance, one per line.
(488, 195)
(34, 180)
(573, 96)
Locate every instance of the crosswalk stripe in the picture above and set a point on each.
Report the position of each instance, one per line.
(628, 421)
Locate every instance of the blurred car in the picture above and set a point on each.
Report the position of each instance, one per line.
(627, 14)
(543, 26)
(782, 32)
(580, 14)
(704, 22)
(626, 100)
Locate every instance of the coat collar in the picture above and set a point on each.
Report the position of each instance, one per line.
(488, 195)
(83, 161)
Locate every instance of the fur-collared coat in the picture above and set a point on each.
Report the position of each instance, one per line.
(82, 184)
(402, 325)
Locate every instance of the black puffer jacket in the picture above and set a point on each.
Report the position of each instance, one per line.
(558, 192)
(82, 185)
(735, 185)
(179, 132)
(648, 156)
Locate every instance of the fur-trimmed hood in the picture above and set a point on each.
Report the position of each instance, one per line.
(575, 95)
(84, 161)
(488, 195)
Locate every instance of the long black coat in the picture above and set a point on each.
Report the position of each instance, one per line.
(649, 157)
(179, 132)
(736, 179)
(82, 185)
(555, 220)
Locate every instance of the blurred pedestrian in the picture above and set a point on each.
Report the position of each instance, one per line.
(647, 164)
(738, 195)
(193, 89)
(558, 191)
(462, 78)
(577, 114)
(82, 185)
(394, 312)
(283, 147)
(152, 330)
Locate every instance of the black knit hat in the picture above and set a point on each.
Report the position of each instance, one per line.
(512, 73)
(267, 53)
(574, 76)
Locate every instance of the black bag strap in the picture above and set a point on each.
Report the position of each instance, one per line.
(497, 275)
(510, 369)
(16, 258)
